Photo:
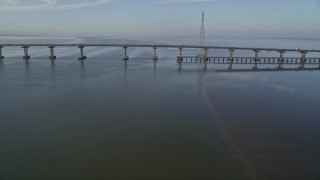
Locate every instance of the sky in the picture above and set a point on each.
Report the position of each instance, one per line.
(231, 18)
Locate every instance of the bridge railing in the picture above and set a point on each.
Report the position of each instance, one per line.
(250, 60)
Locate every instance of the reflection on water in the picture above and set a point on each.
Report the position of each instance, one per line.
(53, 70)
(155, 65)
(82, 70)
(205, 66)
(268, 70)
(1, 64)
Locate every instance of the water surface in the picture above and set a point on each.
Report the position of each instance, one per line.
(104, 118)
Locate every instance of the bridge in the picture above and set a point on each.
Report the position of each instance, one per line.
(230, 60)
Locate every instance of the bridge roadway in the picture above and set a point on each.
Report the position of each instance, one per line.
(160, 46)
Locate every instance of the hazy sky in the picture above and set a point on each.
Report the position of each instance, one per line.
(295, 18)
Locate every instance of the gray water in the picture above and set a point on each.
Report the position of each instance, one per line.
(104, 118)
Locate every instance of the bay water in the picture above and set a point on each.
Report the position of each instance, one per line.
(111, 119)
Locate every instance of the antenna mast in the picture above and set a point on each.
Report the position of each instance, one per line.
(202, 37)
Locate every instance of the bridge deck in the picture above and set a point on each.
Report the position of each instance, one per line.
(256, 60)
(161, 46)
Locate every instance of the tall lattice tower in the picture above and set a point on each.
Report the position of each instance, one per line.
(202, 38)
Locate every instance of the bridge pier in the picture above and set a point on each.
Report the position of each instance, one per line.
(125, 57)
(82, 57)
(231, 59)
(281, 59)
(26, 54)
(52, 56)
(303, 59)
(256, 58)
(1, 56)
(180, 58)
(155, 57)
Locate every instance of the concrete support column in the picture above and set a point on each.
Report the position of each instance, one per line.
(303, 59)
(52, 56)
(26, 54)
(281, 59)
(155, 57)
(180, 58)
(82, 57)
(256, 59)
(1, 56)
(125, 57)
(231, 58)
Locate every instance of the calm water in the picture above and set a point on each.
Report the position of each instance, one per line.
(103, 118)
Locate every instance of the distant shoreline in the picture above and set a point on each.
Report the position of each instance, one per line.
(182, 37)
